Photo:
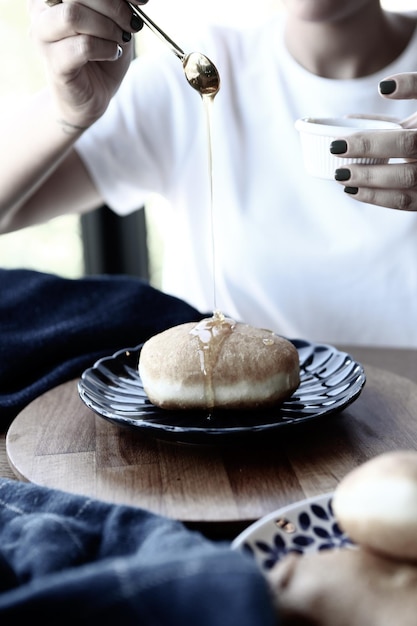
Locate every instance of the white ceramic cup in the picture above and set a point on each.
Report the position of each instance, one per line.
(316, 135)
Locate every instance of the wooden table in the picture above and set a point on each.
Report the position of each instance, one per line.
(58, 442)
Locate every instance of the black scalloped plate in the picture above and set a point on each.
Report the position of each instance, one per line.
(330, 381)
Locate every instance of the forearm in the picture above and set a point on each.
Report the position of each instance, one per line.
(34, 143)
(87, 50)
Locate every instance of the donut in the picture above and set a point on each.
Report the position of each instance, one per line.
(376, 504)
(218, 363)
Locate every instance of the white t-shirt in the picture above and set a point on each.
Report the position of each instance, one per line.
(293, 253)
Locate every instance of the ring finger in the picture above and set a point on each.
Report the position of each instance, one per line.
(399, 199)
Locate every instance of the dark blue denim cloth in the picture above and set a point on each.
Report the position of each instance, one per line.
(69, 559)
(52, 328)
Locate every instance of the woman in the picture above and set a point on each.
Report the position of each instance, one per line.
(292, 253)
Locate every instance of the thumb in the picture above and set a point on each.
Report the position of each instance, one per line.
(399, 86)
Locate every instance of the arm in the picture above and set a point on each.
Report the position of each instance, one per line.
(42, 176)
(393, 185)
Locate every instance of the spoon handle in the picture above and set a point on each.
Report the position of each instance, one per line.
(160, 33)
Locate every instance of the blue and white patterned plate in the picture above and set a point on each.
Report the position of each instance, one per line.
(305, 526)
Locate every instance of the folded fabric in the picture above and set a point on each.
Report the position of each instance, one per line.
(66, 558)
(52, 328)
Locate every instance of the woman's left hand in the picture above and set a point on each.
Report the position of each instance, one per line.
(393, 185)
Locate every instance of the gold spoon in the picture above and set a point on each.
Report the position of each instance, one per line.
(200, 72)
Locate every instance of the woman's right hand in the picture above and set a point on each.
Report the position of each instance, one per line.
(81, 43)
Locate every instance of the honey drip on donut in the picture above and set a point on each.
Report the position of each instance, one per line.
(208, 104)
(210, 334)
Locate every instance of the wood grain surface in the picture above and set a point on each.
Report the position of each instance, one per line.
(58, 442)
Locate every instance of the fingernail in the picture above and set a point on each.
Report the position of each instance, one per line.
(338, 147)
(119, 52)
(352, 190)
(386, 87)
(342, 174)
(136, 23)
(126, 36)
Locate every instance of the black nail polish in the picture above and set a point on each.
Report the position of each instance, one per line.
(342, 174)
(136, 23)
(126, 36)
(338, 147)
(386, 87)
(352, 190)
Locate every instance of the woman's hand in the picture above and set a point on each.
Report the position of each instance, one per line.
(393, 185)
(87, 48)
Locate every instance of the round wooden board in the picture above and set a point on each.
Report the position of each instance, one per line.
(58, 442)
